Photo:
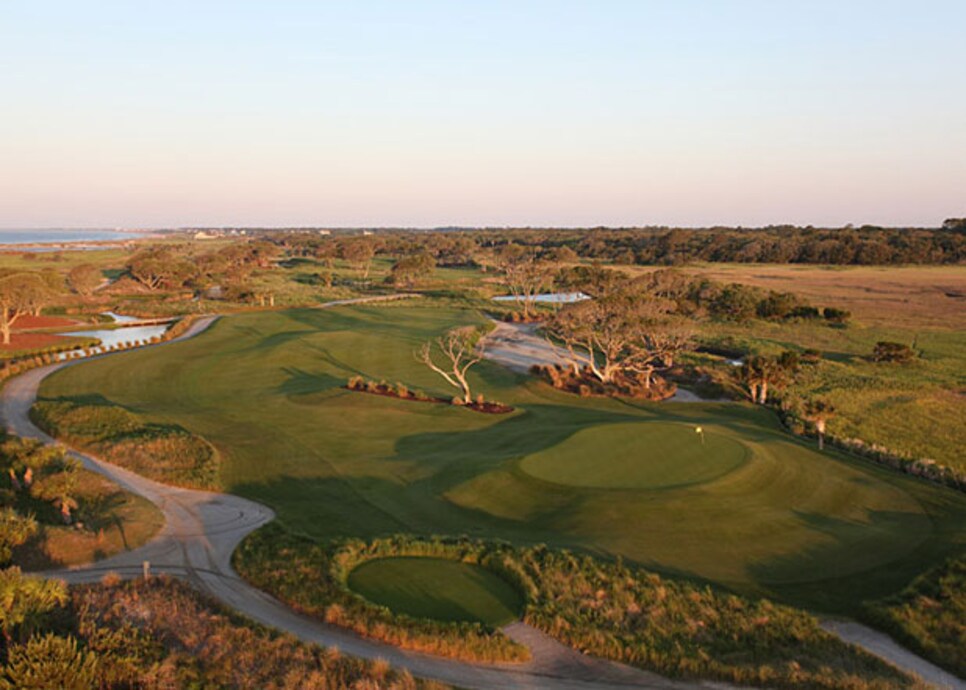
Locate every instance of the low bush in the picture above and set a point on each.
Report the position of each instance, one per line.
(160, 634)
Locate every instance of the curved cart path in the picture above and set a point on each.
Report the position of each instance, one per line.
(203, 528)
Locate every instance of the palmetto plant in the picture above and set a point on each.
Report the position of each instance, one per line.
(818, 411)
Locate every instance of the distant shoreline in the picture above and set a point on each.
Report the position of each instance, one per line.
(66, 240)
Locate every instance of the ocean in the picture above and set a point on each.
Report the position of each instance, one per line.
(58, 236)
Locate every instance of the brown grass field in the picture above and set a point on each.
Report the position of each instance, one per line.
(905, 296)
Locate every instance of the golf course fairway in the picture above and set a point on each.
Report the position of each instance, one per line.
(753, 509)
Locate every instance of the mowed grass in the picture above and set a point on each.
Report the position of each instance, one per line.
(266, 388)
(649, 455)
(439, 589)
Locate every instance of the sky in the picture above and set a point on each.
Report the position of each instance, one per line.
(482, 113)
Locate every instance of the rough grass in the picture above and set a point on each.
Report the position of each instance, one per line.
(437, 588)
(266, 388)
(930, 615)
(165, 452)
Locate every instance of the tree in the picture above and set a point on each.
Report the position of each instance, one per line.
(50, 661)
(24, 600)
(84, 279)
(15, 529)
(891, 352)
(461, 348)
(594, 280)
(359, 253)
(757, 373)
(161, 267)
(407, 271)
(736, 302)
(524, 274)
(818, 411)
(21, 294)
(621, 333)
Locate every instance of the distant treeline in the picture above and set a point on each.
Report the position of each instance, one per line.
(778, 244)
(662, 246)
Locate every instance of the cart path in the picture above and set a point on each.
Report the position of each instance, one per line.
(885, 647)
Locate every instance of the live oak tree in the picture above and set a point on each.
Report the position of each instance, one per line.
(84, 279)
(21, 294)
(408, 270)
(359, 253)
(625, 333)
(525, 274)
(161, 268)
(459, 349)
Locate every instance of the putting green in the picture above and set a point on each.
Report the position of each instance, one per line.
(644, 455)
(439, 589)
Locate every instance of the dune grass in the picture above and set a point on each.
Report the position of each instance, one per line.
(819, 530)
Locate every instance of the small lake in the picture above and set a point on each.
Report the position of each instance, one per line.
(548, 298)
(110, 337)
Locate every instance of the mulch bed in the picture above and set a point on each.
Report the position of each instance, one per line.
(486, 407)
(29, 323)
(30, 341)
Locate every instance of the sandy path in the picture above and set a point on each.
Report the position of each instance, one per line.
(885, 647)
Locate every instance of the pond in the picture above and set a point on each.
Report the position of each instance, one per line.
(110, 337)
(547, 298)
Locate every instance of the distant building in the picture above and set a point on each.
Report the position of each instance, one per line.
(203, 235)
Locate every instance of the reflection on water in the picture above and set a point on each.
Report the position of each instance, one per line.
(111, 337)
(548, 298)
(121, 318)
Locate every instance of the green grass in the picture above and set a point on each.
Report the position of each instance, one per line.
(820, 530)
(439, 589)
(649, 455)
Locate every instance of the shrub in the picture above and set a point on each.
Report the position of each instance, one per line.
(49, 661)
(894, 353)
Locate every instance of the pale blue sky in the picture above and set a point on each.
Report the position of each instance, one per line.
(481, 113)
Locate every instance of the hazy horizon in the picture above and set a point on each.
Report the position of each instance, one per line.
(441, 114)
